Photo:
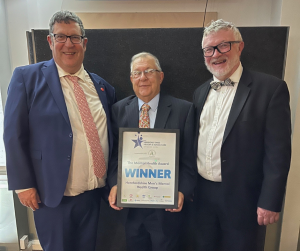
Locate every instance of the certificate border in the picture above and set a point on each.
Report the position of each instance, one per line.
(120, 157)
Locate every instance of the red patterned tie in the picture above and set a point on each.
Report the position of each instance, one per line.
(90, 129)
(144, 121)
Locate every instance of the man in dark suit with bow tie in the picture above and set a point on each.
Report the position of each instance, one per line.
(153, 229)
(58, 139)
(243, 146)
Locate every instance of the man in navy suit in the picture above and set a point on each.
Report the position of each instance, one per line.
(243, 146)
(154, 229)
(51, 162)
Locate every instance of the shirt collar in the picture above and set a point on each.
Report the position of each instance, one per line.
(153, 103)
(236, 76)
(80, 73)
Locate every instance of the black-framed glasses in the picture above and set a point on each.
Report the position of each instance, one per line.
(222, 48)
(61, 38)
(148, 73)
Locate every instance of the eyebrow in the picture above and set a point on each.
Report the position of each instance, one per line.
(215, 45)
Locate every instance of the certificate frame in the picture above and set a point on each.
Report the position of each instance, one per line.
(143, 193)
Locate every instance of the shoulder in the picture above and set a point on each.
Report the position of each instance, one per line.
(179, 102)
(32, 68)
(124, 102)
(100, 80)
(203, 86)
(264, 85)
(263, 79)
(28, 75)
(176, 103)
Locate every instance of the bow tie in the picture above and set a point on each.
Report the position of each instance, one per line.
(217, 85)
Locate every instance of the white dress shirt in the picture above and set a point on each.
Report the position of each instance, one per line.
(81, 175)
(153, 109)
(213, 121)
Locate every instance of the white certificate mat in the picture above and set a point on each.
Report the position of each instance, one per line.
(148, 168)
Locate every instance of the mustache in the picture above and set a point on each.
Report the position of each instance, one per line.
(220, 59)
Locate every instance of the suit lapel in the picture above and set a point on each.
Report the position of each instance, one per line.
(163, 111)
(200, 101)
(132, 113)
(240, 98)
(51, 75)
(202, 98)
(100, 88)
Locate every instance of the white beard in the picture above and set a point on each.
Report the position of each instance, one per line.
(225, 71)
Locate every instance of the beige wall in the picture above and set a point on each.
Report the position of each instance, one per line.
(23, 15)
(291, 216)
(141, 20)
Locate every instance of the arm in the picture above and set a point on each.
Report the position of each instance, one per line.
(180, 203)
(266, 217)
(277, 156)
(187, 161)
(16, 139)
(112, 173)
(30, 198)
(112, 198)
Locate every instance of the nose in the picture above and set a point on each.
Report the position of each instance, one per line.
(216, 53)
(143, 76)
(68, 43)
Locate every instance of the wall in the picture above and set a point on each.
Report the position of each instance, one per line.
(276, 12)
(8, 228)
(5, 69)
(35, 14)
(291, 217)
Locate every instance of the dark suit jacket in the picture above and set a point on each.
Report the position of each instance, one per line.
(172, 113)
(256, 148)
(37, 132)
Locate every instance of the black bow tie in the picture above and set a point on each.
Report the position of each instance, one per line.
(217, 85)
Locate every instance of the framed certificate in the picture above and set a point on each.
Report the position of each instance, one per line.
(148, 168)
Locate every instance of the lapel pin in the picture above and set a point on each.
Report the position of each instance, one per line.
(102, 89)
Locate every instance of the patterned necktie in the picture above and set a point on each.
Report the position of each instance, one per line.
(217, 85)
(89, 128)
(144, 121)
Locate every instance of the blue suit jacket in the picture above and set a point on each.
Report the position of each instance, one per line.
(37, 132)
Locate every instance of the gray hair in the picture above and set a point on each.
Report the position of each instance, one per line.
(145, 55)
(66, 17)
(220, 24)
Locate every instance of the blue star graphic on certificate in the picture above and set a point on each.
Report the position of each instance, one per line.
(138, 141)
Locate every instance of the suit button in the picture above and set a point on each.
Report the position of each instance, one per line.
(71, 135)
(69, 157)
(224, 160)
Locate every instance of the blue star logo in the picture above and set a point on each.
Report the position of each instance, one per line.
(138, 141)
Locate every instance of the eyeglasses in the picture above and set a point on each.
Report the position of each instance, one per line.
(222, 48)
(148, 73)
(61, 38)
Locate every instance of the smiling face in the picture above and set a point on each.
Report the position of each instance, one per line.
(146, 88)
(67, 55)
(222, 66)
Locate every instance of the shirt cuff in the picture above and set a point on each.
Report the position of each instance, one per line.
(22, 190)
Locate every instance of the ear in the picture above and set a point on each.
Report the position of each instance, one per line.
(241, 46)
(50, 42)
(85, 40)
(161, 77)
